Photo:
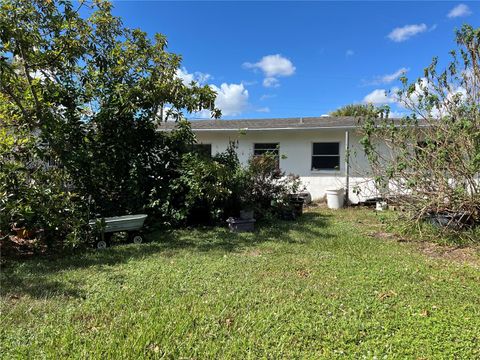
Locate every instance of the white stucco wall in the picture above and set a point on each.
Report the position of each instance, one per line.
(296, 148)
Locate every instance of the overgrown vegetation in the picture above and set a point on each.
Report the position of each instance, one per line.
(35, 198)
(80, 102)
(85, 94)
(429, 163)
(211, 189)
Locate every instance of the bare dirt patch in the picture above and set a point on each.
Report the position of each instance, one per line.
(469, 255)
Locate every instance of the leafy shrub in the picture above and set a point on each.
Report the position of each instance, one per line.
(205, 190)
(268, 189)
(209, 190)
(37, 197)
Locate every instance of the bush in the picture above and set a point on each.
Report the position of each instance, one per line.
(267, 189)
(208, 190)
(204, 190)
(88, 92)
(431, 163)
(36, 197)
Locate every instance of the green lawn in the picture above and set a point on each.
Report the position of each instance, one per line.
(316, 288)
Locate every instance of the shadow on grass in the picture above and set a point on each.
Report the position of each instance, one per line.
(30, 277)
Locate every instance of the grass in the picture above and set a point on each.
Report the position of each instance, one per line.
(317, 288)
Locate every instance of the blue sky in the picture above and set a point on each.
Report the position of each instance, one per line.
(287, 59)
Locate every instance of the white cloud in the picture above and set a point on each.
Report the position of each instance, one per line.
(272, 66)
(203, 114)
(459, 91)
(169, 113)
(271, 82)
(265, 109)
(249, 82)
(421, 85)
(383, 97)
(459, 11)
(232, 99)
(405, 102)
(267, 96)
(349, 53)
(404, 33)
(453, 95)
(202, 78)
(387, 78)
(379, 97)
(187, 78)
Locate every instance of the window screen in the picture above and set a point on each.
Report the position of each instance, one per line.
(266, 148)
(326, 156)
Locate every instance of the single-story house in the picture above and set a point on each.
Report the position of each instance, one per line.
(312, 147)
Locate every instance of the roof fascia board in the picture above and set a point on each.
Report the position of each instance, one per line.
(286, 128)
(282, 129)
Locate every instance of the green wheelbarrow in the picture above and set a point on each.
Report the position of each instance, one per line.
(105, 227)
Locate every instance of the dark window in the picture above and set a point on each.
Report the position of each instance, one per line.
(266, 148)
(203, 149)
(326, 156)
(261, 149)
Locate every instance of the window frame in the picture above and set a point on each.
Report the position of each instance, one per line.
(277, 149)
(327, 170)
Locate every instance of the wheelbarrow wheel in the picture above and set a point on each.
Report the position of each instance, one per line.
(101, 244)
(137, 238)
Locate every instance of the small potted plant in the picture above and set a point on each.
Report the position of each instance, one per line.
(296, 202)
(246, 222)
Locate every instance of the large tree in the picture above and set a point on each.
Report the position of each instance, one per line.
(89, 93)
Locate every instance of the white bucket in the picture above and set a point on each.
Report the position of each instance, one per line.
(381, 206)
(335, 198)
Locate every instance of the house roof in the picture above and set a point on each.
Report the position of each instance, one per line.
(304, 123)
